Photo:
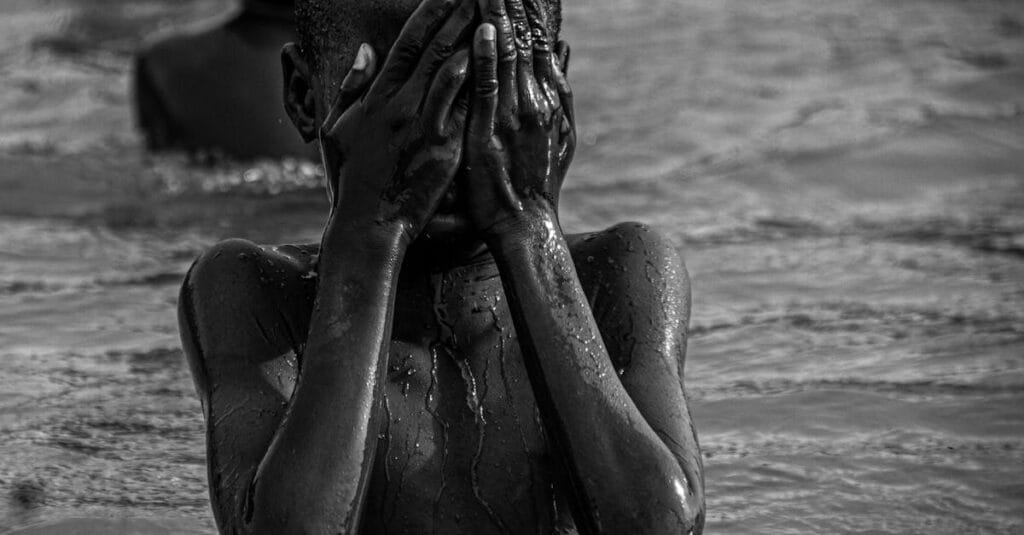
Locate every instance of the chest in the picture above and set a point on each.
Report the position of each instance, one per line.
(461, 446)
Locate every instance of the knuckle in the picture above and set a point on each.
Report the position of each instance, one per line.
(439, 9)
(439, 51)
(437, 135)
(453, 73)
(540, 36)
(496, 8)
(486, 86)
(452, 77)
(407, 49)
(432, 60)
(508, 53)
(486, 65)
(399, 122)
(522, 31)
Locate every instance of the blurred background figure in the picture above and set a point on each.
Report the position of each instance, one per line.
(219, 89)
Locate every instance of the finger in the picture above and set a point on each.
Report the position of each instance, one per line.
(452, 33)
(494, 13)
(545, 63)
(564, 53)
(428, 18)
(354, 84)
(443, 91)
(528, 90)
(543, 47)
(484, 115)
(565, 96)
(459, 112)
(485, 87)
(522, 33)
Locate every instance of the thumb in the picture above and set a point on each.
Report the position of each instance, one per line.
(355, 83)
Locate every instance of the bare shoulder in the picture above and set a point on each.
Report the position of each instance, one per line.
(632, 259)
(639, 290)
(236, 281)
(238, 254)
(239, 269)
(243, 314)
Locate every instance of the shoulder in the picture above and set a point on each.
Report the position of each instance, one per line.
(234, 273)
(234, 283)
(638, 287)
(239, 260)
(628, 242)
(238, 276)
(634, 254)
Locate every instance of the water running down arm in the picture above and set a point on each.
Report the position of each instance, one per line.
(630, 458)
(395, 166)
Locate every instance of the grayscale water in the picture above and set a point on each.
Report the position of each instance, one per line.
(845, 179)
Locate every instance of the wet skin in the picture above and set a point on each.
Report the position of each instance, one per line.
(446, 363)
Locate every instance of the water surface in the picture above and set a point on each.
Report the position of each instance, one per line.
(844, 179)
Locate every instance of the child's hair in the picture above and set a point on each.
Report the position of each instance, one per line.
(317, 20)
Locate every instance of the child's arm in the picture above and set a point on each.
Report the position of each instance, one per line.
(631, 456)
(395, 166)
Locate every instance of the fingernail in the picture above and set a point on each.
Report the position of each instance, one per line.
(487, 32)
(362, 57)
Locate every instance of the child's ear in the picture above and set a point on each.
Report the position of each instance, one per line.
(298, 92)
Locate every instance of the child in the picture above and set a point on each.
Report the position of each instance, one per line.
(446, 360)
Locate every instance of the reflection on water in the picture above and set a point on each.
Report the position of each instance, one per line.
(843, 178)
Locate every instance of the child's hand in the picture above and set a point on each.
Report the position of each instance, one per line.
(399, 145)
(521, 134)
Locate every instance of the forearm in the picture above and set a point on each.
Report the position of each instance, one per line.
(315, 474)
(621, 471)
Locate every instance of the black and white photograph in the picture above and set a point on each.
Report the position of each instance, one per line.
(512, 267)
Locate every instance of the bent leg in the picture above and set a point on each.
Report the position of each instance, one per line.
(244, 313)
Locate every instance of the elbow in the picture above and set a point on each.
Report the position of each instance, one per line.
(677, 506)
(285, 509)
(273, 520)
(650, 490)
(686, 501)
(668, 503)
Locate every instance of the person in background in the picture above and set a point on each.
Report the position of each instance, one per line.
(218, 90)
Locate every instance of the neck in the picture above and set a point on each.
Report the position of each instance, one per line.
(435, 254)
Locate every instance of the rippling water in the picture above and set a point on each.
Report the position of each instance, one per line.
(844, 179)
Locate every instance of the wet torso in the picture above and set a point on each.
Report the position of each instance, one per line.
(462, 448)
